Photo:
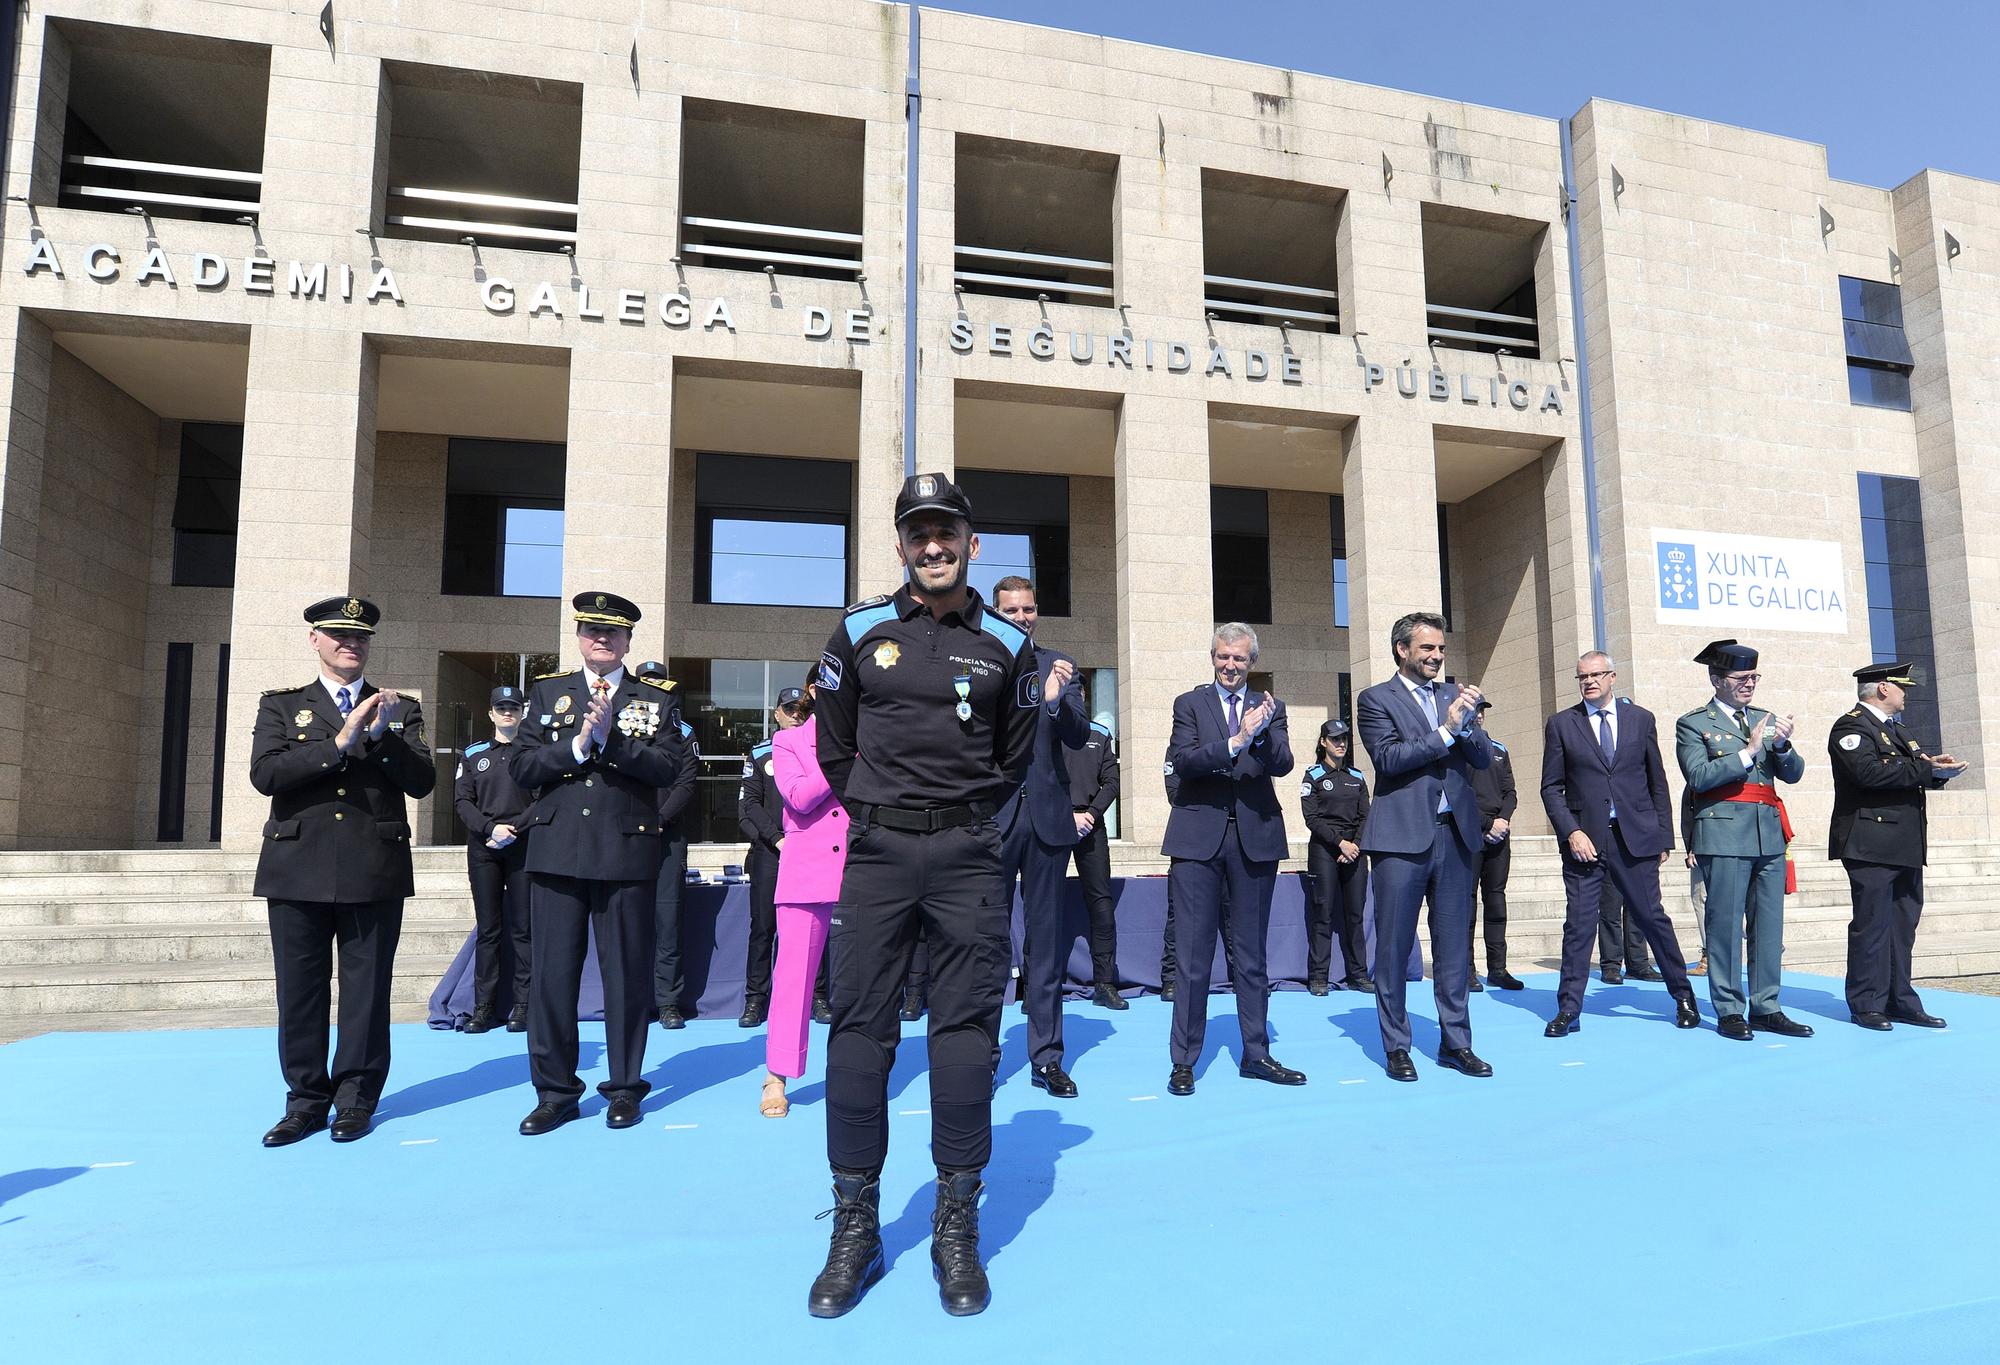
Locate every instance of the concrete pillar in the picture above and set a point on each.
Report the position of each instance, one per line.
(1390, 477)
(303, 525)
(27, 349)
(618, 489)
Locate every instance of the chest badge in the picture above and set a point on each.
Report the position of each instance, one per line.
(484, 764)
(1850, 742)
(304, 717)
(1327, 785)
(887, 653)
(562, 703)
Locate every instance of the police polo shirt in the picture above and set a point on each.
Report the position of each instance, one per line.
(890, 685)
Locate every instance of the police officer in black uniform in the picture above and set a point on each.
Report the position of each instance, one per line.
(490, 803)
(1880, 775)
(760, 814)
(596, 747)
(1493, 787)
(1333, 798)
(337, 757)
(674, 799)
(1093, 786)
(928, 704)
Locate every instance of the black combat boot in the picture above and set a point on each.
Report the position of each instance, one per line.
(854, 1260)
(961, 1279)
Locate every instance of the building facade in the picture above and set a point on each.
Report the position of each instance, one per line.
(465, 307)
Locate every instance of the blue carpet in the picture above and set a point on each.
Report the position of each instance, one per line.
(1637, 1194)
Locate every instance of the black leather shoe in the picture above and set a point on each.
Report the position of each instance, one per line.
(1870, 1019)
(1319, 987)
(481, 1020)
(547, 1116)
(1473, 983)
(1645, 974)
(961, 1279)
(1107, 997)
(1918, 1020)
(753, 1014)
(1055, 1080)
(671, 1018)
(351, 1123)
(623, 1113)
(1505, 980)
(517, 1019)
(1365, 985)
(1562, 1025)
(1612, 976)
(1776, 1022)
(1181, 1082)
(822, 1010)
(913, 1005)
(1167, 988)
(1401, 1068)
(1464, 1061)
(1687, 1014)
(1268, 1069)
(294, 1126)
(1734, 1026)
(854, 1260)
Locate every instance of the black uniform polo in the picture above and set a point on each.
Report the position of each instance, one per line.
(485, 793)
(890, 683)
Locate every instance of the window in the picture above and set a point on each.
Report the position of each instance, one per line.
(1023, 526)
(1240, 553)
(503, 519)
(1899, 593)
(1878, 355)
(728, 704)
(1337, 507)
(211, 480)
(1444, 566)
(772, 532)
(1344, 707)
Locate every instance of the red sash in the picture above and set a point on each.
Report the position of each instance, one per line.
(1763, 794)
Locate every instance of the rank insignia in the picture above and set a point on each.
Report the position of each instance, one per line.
(562, 703)
(887, 653)
(304, 717)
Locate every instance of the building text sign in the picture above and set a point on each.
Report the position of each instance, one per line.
(1710, 578)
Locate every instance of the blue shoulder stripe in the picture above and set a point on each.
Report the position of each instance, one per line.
(1497, 745)
(1317, 771)
(1101, 729)
(864, 619)
(1003, 630)
(475, 748)
(687, 731)
(760, 750)
(1355, 771)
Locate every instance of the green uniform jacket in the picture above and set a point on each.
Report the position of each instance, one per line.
(1707, 742)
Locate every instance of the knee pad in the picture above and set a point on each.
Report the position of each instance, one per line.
(856, 1055)
(961, 1067)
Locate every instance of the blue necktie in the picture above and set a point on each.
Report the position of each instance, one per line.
(346, 702)
(1235, 721)
(1604, 738)
(1427, 695)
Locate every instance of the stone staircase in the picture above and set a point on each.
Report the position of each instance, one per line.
(174, 938)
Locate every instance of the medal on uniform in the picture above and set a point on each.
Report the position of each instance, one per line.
(304, 717)
(562, 703)
(962, 685)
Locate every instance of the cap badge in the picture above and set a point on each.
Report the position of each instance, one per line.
(926, 486)
(351, 609)
(599, 600)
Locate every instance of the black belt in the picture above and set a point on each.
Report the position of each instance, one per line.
(922, 821)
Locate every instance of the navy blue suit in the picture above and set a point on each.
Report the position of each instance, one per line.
(1580, 790)
(1037, 831)
(1416, 853)
(1226, 837)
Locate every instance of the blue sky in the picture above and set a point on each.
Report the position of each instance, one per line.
(1889, 89)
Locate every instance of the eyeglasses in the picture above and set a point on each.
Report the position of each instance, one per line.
(1742, 677)
(1598, 676)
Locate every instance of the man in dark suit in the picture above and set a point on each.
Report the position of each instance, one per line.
(1093, 786)
(1494, 786)
(337, 757)
(1605, 791)
(1423, 834)
(1226, 837)
(674, 799)
(1039, 830)
(596, 747)
(1879, 833)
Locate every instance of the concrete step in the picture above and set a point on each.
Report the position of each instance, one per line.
(239, 908)
(15, 1027)
(66, 945)
(100, 987)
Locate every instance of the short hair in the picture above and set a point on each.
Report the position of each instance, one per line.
(1869, 690)
(1231, 632)
(1013, 582)
(1590, 654)
(1405, 629)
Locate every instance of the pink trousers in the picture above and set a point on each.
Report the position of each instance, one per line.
(801, 939)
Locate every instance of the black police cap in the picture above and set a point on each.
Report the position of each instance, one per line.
(1726, 656)
(605, 609)
(931, 493)
(344, 613)
(1334, 729)
(505, 696)
(1903, 673)
(653, 668)
(790, 695)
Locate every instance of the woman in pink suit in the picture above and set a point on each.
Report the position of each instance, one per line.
(811, 857)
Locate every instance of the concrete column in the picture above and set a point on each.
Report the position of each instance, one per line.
(618, 493)
(27, 349)
(325, 153)
(303, 524)
(1390, 477)
(878, 475)
(1166, 590)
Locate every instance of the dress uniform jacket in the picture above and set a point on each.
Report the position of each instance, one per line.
(1880, 775)
(1707, 741)
(339, 830)
(600, 818)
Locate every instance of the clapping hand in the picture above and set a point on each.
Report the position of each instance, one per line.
(1259, 716)
(389, 708)
(1463, 706)
(1782, 727)
(1061, 673)
(597, 721)
(359, 721)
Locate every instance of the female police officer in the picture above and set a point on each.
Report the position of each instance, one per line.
(1334, 799)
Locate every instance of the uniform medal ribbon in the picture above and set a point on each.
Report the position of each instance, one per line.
(962, 685)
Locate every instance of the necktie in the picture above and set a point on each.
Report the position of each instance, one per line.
(1235, 721)
(1427, 694)
(1604, 738)
(1743, 721)
(600, 689)
(346, 702)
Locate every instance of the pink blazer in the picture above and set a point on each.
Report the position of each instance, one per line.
(815, 851)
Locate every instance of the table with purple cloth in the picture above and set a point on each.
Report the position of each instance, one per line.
(715, 926)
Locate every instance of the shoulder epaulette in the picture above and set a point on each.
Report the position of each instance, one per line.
(1001, 629)
(1101, 728)
(284, 691)
(472, 749)
(1850, 715)
(865, 603)
(1497, 745)
(759, 750)
(664, 684)
(863, 616)
(687, 731)
(1317, 771)
(559, 673)
(1355, 771)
